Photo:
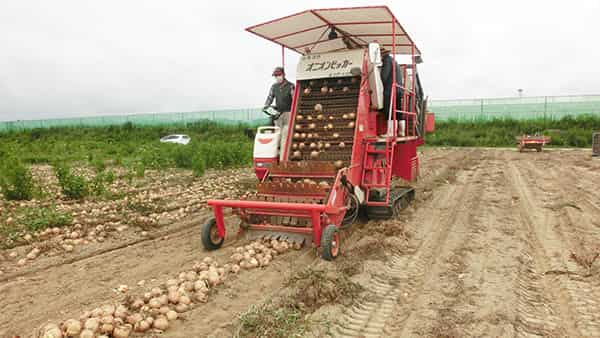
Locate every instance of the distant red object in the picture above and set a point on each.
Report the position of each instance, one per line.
(429, 122)
(536, 142)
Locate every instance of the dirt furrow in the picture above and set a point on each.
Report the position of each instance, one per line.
(580, 238)
(402, 277)
(46, 263)
(548, 254)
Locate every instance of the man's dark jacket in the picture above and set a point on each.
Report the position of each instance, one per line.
(282, 93)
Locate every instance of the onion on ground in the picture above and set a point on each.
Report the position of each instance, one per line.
(161, 323)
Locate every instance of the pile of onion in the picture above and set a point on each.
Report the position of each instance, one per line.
(157, 308)
(256, 254)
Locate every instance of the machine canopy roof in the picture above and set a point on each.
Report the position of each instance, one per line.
(308, 32)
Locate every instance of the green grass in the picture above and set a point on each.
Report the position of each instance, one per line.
(40, 218)
(272, 320)
(213, 146)
(138, 149)
(565, 132)
(30, 219)
(220, 146)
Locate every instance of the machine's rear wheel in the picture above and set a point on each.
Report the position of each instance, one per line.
(330, 242)
(352, 212)
(210, 237)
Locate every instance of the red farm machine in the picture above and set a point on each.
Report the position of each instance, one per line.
(342, 151)
(536, 142)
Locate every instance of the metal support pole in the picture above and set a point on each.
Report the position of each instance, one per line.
(394, 65)
(283, 57)
(545, 108)
(413, 93)
(481, 105)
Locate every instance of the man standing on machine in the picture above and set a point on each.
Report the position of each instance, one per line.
(282, 91)
(386, 79)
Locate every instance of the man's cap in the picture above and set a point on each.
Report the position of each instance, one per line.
(278, 71)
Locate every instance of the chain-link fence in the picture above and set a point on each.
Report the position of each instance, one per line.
(249, 116)
(550, 107)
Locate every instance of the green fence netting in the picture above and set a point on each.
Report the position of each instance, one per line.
(550, 107)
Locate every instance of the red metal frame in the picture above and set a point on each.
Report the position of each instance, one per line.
(371, 167)
(332, 212)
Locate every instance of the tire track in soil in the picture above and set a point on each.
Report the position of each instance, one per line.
(547, 253)
(442, 292)
(578, 236)
(536, 309)
(368, 318)
(470, 288)
(472, 291)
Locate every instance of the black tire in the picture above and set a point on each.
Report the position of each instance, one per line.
(351, 214)
(330, 242)
(210, 239)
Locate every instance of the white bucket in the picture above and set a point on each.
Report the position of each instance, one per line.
(401, 126)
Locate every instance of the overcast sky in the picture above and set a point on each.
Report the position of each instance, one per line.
(77, 58)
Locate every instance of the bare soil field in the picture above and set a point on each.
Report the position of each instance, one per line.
(498, 244)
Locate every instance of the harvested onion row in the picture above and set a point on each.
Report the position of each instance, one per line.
(157, 308)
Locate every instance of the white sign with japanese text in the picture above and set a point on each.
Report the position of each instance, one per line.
(336, 64)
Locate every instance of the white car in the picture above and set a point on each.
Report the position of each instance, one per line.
(176, 138)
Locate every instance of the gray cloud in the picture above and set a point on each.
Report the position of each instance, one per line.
(67, 58)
